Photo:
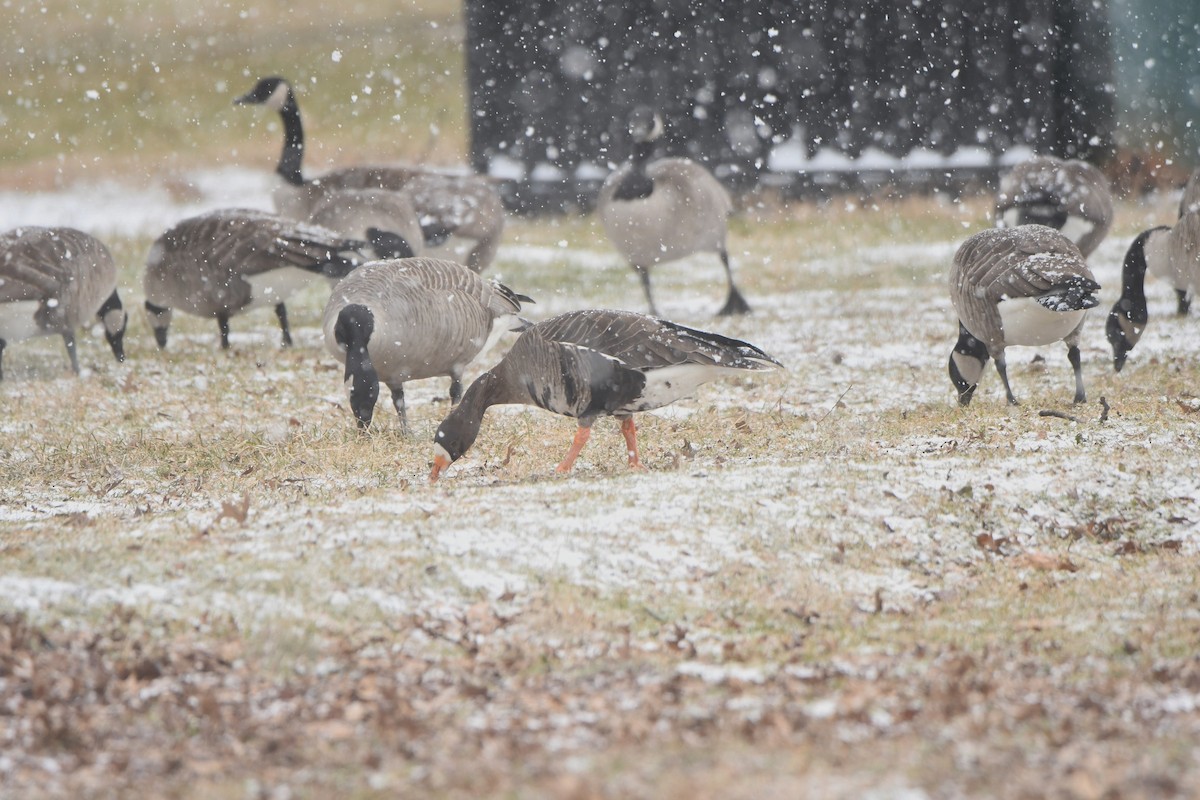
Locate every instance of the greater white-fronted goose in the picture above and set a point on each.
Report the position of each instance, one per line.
(1070, 196)
(463, 206)
(225, 262)
(407, 319)
(661, 210)
(55, 280)
(1027, 285)
(588, 364)
(1171, 253)
(385, 220)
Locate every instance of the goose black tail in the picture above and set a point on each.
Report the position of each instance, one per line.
(387, 244)
(1074, 294)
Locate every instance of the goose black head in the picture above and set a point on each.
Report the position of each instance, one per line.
(352, 332)
(113, 315)
(160, 322)
(967, 360)
(460, 428)
(645, 124)
(1122, 333)
(1129, 314)
(273, 92)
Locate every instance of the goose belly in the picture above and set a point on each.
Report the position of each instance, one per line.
(17, 321)
(1075, 228)
(668, 384)
(1028, 323)
(648, 232)
(274, 286)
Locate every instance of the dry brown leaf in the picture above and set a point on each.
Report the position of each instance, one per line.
(237, 510)
(991, 543)
(1046, 562)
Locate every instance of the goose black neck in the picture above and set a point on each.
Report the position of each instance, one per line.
(293, 142)
(353, 330)
(641, 154)
(636, 184)
(480, 396)
(460, 428)
(1133, 271)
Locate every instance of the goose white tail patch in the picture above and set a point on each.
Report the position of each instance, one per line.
(16, 321)
(665, 386)
(273, 287)
(1028, 323)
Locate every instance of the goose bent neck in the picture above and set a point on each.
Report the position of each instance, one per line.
(1133, 270)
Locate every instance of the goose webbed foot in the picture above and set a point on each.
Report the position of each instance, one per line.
(735, 304)
(582, 434)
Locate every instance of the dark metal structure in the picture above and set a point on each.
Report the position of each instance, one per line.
(790, 93)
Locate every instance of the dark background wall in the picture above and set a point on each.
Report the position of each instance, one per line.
(551, 82)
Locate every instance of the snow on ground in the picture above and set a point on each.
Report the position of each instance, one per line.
(853, 357)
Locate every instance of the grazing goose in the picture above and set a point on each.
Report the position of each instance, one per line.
(463, 206)
(413, 318)
(1027, 285)
(385, 220)
(54, 280)
(1172, 253)
(587, 364)
(666, 209)
(224, 262)
(1070, 196)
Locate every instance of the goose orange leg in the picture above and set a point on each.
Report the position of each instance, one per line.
(629, 431)
(582, 434)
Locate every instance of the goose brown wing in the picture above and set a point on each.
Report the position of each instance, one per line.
(34, 262)
(1008, 263)
(645, 343)
(567, 378)
(249, 242)
(1086, 191)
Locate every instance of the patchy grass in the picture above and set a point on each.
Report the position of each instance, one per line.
(100, 87)
(831, 581)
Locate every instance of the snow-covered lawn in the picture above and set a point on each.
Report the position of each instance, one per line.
(831, 581)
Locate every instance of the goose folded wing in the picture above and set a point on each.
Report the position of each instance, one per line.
(571, 379)
(637, 341)
(309, 249)
(20, 279)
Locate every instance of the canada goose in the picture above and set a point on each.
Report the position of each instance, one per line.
(1027, 285)
(587, 364)
(53, 280)
(224, 262)
(464, 206)
(1172, 253)
(1190, 201)
(666, 209)
(413, 318)
(385, 220)
(1070, 196)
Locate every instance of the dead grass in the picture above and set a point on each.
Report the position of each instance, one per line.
(831, 582)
